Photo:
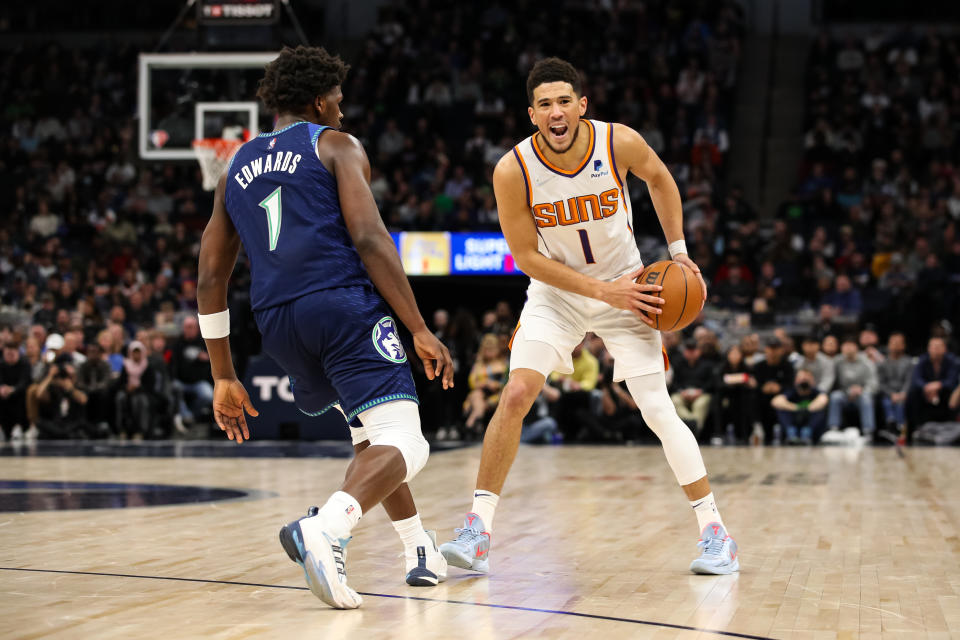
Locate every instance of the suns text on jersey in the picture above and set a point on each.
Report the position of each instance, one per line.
(577, 210)
(279, 161)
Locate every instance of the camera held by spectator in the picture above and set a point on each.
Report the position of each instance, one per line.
(61, 406)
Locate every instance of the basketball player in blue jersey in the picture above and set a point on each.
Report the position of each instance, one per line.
(567, 217)
(324, 270)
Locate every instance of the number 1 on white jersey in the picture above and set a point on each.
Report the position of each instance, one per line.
(585, 243)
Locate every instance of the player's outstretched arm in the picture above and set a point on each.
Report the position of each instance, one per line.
(219, 248)
(520, 232)
(345, 157)
(635, 155)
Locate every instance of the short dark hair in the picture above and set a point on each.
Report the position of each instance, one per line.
(297, 76)
(553, 70)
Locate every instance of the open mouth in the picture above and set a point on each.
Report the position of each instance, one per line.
(558, 130)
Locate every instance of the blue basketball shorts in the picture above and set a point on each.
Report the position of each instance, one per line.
(338, 346)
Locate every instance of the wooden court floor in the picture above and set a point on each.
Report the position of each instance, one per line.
(589, 542)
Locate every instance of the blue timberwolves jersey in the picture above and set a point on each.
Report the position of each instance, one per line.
(285, 206)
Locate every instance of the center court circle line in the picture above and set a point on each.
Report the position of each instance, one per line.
(575, 614)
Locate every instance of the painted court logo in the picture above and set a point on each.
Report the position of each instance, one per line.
(387, 341)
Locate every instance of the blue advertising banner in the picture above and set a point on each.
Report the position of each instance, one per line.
(269, 390)
(454, 253)
(480, 254)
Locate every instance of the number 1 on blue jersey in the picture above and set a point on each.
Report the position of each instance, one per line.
(272, 206)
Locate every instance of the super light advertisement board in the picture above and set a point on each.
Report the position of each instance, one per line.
(480, 254)
(454, 253)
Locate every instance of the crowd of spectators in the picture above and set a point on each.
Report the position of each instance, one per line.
(437, 94)
(874, 223)
(53, 385)
(97, 257)
(751, 390)
(98, 249)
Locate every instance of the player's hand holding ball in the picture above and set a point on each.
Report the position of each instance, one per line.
(631, 294)
(683, 291)
(686, 261)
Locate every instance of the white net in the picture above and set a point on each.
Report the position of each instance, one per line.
(214, 155)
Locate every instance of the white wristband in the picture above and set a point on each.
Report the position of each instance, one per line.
(214, 325)
(676, 247)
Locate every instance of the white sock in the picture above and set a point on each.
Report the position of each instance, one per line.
(484, 504)
(337, 517)
(412, 534)
(706, 510)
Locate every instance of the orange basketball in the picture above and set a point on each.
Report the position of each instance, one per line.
(681, 294)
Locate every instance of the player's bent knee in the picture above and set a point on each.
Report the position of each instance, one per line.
(658, 417)
(518, 394)
(397, 424)
(656, 405)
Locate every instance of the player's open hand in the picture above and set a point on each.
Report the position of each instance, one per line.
(230, 400)
(640, 299)
(685, 260)
(437, 362)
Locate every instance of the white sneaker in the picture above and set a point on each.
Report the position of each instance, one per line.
(471, 548)
(854, 439)
(324, 562)
(426, 566)
(178, 423)
(719, 556)
(17, 434)
(33, 433)
(833, 436)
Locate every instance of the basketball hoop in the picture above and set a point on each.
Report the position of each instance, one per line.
(214, 154)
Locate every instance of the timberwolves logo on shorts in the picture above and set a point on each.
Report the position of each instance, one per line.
(387, 342)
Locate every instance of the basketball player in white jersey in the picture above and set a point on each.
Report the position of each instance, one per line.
(566, 215)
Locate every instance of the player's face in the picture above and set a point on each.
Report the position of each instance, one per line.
(556, 112)
(329, 108)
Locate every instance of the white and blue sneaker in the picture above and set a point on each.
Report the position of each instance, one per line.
(426, 567)
(719, 555)
(323, 563)
(471, 548)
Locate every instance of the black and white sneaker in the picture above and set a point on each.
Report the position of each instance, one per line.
(427, 567)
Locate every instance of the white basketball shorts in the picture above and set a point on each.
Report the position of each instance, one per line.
(553, 322)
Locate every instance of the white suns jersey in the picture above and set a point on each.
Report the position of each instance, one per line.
(583, 216)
